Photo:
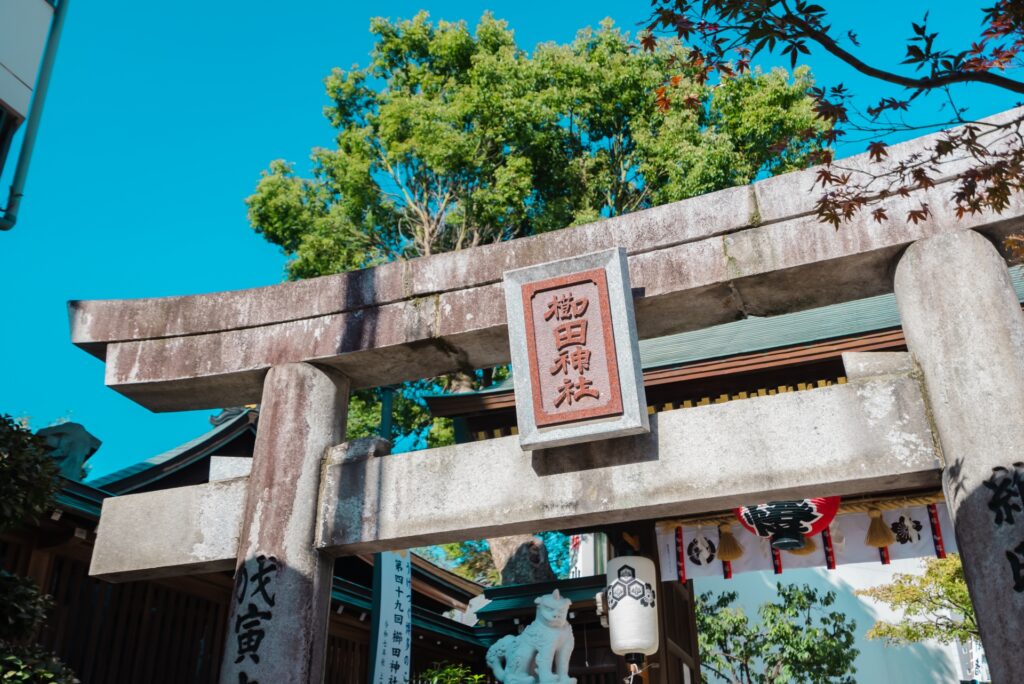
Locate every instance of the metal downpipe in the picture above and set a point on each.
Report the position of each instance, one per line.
(35, 114)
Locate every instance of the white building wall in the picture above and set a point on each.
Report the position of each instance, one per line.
(24, 25)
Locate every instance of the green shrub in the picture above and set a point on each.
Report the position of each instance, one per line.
(32, 664)
(28, 481)
(24, 607)
(450, 673)
(28, 475)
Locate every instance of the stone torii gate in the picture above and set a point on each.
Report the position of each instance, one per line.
(952, 410)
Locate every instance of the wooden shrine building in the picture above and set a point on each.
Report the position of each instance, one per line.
(171, 631)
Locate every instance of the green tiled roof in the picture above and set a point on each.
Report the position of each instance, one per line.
(757, 334)
(506, 600)
(200, 445)
(81, 498)
(361, 597)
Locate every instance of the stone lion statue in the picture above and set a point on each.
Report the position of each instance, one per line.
(540, 654)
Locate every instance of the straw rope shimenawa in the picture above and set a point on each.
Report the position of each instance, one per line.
(846, 506)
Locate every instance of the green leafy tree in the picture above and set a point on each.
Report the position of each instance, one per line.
(24, 608)
(31, 664)
(450, 138)
(28, 481)
(797, 639)
(471, 559)
(935, 605)
(411, 419)
(724, 36)
(474, 560)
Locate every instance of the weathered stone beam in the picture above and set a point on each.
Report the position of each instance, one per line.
(98, 323)
(765, 270)
(170, 532)
(870, 435)
(756, 250)
(184, 530)
(229, 467)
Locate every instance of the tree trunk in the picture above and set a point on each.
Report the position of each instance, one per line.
(461, 381)
(521, 559)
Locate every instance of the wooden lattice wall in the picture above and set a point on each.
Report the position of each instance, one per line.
(162, 632)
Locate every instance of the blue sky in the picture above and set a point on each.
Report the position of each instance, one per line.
(161, 116)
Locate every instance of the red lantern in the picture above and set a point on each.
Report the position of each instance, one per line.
(789, 523)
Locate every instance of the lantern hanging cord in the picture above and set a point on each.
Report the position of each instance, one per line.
(891, 504)
(634, 671)
(855, 506)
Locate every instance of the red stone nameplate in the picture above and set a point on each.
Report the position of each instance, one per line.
(574, 373)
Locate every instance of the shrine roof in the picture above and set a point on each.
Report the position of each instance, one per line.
(512, 600)
(437, 582)
(446, 580)
(360, 597)
(757, 334)
(81, 498)
(132, 477)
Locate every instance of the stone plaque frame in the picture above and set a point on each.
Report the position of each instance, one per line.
(626, 413)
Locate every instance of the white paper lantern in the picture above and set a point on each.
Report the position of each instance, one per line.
(630, 599)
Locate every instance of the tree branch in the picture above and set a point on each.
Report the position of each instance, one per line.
(929, 83)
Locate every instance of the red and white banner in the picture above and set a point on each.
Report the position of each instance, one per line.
(689, 552)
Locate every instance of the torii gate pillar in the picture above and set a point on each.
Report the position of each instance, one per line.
(964, 326)
(277, 626)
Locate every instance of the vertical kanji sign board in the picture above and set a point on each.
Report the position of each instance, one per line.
(575, 360)
(391, 623)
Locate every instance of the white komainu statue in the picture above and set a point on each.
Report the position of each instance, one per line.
(540, 655)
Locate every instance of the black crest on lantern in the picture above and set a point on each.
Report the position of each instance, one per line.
(907, 530)
(628, 586)
(701, 551)
(785, 522)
